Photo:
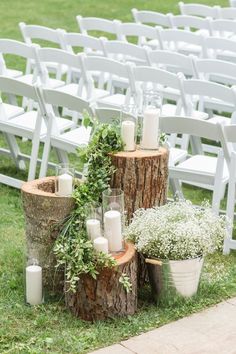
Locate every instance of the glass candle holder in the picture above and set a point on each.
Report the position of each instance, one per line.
(64, 180)
(33, 283)
(113, 211)
(128, 118)
(150, 121)
(94, 220)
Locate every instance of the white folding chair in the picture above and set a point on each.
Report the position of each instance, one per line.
(173, 62)
(202, 170)
(199, 10)
(151, 18)
(62, 142)
(223, 28)
(192, 23)
(30, 33)
(216, 70)
(220, 48)
(110, 70)
(228, 13)
(77, 42)
(96, 24)
(144, 34)
(181, 41)
(232, 3)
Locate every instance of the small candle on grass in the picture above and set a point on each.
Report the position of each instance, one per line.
(34, 285)
(113, 230)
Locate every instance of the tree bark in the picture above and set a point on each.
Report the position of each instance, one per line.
(105, 297)
(143, 176)
(43, 212)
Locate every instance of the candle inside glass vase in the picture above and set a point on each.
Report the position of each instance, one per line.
(129, 126)
(64, 180)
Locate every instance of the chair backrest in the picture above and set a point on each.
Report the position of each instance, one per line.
(32, 32)
(124, 51)
(151, 17)
(215, 47)
(216, 70)
(173, 39)
(228, 13)
(140, 31)
(97, 24)
(75, 41)
(199, 10)
(190, 22)
(223, 27)
(224, 97)
(171, 61)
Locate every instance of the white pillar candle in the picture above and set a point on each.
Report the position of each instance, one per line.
(100, 244)
(93, 228)
(65, 185)
(34, 285)
(128, 135)
(113, 230)
(150, 129)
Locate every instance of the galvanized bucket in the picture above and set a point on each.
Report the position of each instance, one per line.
(171, 279)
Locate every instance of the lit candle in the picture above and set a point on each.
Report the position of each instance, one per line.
(128, 135)
(34, 285)
(100, 244)
(113, 230)
(150, 129)
(65, 185)
(93, 228)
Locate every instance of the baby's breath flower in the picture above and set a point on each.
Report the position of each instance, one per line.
(177, 231)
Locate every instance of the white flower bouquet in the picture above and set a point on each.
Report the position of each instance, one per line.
(177, 231)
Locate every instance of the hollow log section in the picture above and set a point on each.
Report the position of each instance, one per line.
(105, 297)
(43, 211)
(143, 176)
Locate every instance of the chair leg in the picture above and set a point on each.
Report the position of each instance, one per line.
(45, 157)
(176, 189)
(35, 148)
(15, 151)
(62, 156)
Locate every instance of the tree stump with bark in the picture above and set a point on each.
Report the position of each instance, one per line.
(106, 297)
(143, 176)
(43, 212)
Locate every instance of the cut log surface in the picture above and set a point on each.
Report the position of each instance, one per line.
(43, 211)
(105, 297)
(142, 175)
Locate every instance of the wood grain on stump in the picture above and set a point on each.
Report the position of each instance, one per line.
(143, 176)
(43, 211)
(105, 297)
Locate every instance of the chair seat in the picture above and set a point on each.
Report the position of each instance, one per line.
(72, 139)
(13, 73)
(11, 111)
(220, 119)
(153, 43)
(170, 110)
(27, 121)
(177, 155)
(113, 101)
(72, 89)
(52, 83)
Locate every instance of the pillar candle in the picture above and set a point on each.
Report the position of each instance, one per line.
(128, 135)
(65, 185)
(34, 285)
(100, 244)
(150, 129)
(93, 228)
(113, 230)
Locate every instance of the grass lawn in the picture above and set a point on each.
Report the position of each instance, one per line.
(50, 328)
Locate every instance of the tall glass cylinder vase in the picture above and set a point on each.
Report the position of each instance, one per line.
(113, 211)
(128, 117)
(150, 120)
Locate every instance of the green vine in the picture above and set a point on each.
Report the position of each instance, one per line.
(73, 249)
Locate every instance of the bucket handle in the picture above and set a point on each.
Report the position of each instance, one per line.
(153, 261)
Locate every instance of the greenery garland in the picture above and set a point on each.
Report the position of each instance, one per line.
(73, 249)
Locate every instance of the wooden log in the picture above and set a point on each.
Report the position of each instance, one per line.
(43, 211)
(105, 297)
(143, 176)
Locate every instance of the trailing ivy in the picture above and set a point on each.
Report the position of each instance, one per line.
(73, 249)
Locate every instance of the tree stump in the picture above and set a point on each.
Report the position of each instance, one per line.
(43, 211)
(143, 176)
(105, 297)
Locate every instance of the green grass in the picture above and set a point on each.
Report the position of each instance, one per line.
(50, 328)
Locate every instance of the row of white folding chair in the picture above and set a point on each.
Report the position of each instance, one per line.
(207, 11)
